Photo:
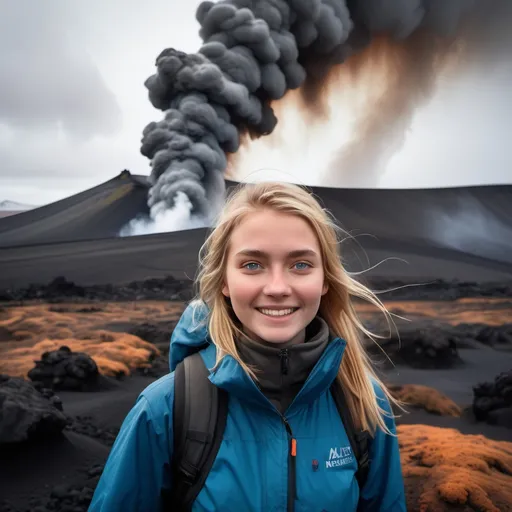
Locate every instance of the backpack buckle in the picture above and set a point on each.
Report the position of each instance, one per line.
(189, 473)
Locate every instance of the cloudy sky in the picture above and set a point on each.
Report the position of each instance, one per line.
(73, 103)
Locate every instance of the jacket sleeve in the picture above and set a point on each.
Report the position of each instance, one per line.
(384, 488)
(136, 470)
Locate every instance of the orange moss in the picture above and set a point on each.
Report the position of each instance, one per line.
(446, 469)
(42, 319)
(426, 398)
(121, 355)
(486, 311)
(37, 328)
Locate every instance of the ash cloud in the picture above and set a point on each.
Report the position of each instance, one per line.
(255, 51)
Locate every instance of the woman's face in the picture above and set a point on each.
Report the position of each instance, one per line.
(274, 276)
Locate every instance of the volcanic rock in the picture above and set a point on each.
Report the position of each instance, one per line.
(157, 333)
(62, 290)
(419, 346)
(429, 345)
(86, 425)
(494, 336)
(438, 289)
(26, 413)
(492, 401)
(66, 370)
(160, 335)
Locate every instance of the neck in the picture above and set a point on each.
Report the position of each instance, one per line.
(296, 340)
(281, 379)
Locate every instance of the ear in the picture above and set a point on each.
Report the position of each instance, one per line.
(325, 289)
(225, 290)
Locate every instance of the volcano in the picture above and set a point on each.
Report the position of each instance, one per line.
(442, 233)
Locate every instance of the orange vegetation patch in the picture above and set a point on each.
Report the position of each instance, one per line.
(476, 310)
(446, 470)
(96, 329)
(114, 353)
(427, 398)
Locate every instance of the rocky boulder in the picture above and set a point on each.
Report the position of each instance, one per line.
(157, 333)
(496, 336)
(28, 413)
(64, 369)
(492, 401)
(418, 346)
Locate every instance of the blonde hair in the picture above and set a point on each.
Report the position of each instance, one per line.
(356, 371)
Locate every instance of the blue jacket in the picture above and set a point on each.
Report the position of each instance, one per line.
(250, 472)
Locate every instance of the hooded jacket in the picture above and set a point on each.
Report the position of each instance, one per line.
(250, 471)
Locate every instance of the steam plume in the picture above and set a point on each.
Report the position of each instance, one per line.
(255, 51)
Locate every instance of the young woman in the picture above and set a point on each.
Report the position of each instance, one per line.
(270, 282)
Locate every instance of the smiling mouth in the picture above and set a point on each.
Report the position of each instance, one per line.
(277, 312)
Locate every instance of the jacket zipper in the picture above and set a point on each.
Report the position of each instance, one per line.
(292, 448)
(284, 361)
(292, 469)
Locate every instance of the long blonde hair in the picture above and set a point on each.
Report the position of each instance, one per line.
(356, 371)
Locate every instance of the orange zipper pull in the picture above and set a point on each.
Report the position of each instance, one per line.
(294, 448)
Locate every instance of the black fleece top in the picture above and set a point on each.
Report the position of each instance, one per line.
(281, 372)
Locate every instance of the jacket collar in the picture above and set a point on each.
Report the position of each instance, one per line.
(231, 377)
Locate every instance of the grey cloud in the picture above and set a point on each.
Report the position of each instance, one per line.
(48, 78)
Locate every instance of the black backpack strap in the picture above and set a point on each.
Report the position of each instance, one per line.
(199, 419)
(359, 439)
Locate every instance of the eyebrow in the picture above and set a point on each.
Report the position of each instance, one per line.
(255, 253)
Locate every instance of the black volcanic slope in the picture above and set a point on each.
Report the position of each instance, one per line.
(99, 212)
(454, 233)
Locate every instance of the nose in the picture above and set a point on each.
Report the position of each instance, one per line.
(277, 284)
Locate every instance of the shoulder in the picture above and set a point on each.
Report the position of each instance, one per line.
(155, 403)
(161, 389)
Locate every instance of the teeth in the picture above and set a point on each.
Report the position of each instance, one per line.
(277, 312)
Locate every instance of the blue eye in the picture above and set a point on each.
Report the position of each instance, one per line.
(251, 266)
(305, 267)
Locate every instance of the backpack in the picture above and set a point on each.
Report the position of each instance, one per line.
(199, 418)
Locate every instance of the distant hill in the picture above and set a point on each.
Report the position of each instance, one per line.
(8, 208)
(14, 206)
(98, 212)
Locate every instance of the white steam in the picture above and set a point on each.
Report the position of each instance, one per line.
(164, 220)
(471, 228)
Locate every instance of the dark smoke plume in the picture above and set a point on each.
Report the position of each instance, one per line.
(255, 51)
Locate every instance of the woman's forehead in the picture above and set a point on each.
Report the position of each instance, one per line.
(271, 241)
(269, 220)
(268, 228)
